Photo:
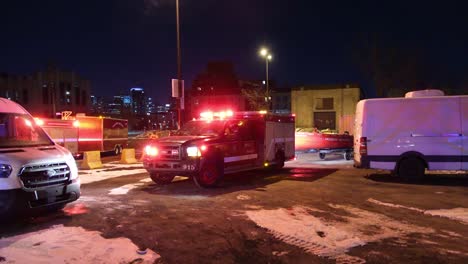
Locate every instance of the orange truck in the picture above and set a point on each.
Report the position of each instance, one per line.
(87, 133)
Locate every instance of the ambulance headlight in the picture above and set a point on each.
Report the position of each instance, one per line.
(5, 170)
(193, 151)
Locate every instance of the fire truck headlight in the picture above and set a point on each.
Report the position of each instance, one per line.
(151, 150)
(193, 152)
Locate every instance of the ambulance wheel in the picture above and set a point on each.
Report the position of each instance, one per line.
(322, 155)
(161, 178)
(7, 199)
(279, 160)
(411, 169)
(210, 173)
(55, 208)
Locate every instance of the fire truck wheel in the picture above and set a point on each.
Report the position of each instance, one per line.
(210, 174)
(117, 150)
(161, 178)
(279, 160)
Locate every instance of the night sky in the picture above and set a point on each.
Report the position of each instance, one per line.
(132, 43)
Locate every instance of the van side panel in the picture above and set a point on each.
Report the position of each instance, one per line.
(429, 125)
(464, 124)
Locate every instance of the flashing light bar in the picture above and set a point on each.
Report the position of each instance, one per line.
(208, 115)
(39, 121)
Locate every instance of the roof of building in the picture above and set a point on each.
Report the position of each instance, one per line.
(326, 87)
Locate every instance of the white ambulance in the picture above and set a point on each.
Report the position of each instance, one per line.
(423, 130)
(35, 173)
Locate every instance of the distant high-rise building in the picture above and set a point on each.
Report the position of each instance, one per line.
(150, 107)
(138, 101)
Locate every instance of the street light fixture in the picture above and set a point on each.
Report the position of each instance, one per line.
(268, 57)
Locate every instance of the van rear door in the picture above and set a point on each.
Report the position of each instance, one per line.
(464, 121)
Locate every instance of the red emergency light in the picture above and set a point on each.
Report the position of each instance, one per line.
(39, 121)
(209, 115)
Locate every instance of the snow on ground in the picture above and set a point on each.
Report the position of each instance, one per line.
(60, 244)
(312, 160)
(110, 170)
(459, 214)
(126, 188)
(329, 238)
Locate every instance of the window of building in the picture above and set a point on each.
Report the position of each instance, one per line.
(77, 95)
(83, 98)
(45, 94)
(324, 103)
(325, 120)
(68, 94)
(25, 96)
(62, 93)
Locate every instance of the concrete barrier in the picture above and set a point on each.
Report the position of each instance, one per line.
(128, 156)
(91, 160)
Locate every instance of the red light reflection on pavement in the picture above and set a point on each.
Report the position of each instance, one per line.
(311, 173)
(75, 209)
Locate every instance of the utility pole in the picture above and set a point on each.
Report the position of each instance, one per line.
(179, 71)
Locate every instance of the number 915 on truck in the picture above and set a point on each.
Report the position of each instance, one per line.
(216, 144)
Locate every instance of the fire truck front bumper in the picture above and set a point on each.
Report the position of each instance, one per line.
(167, 166)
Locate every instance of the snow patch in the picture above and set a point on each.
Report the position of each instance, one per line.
(459, 214)
(126, 188)
(395, 205)
(110, 170)
(61, 244)
(327, 238)
(243, 197)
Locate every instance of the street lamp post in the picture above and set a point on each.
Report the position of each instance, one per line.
(267, 55)
(179, 71)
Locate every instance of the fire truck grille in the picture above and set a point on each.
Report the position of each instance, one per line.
(170, 152)
(44, 175)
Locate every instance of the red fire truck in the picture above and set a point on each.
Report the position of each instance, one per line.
(221, 143)
(87, 133)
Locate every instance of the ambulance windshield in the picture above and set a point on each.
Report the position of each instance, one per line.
(19, 130)
(202, 128)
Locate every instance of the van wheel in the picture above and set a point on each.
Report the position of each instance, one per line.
(322, 155)
(279, 160)
(210, 173)
(411, 169)
(161, 178)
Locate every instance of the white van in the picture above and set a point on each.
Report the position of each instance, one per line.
(423, 130)
(35, 172)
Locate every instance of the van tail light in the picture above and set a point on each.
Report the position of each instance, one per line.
(151, 151)
(363, 146)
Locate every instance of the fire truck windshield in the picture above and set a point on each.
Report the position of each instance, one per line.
(202, 128)
(18, 130)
